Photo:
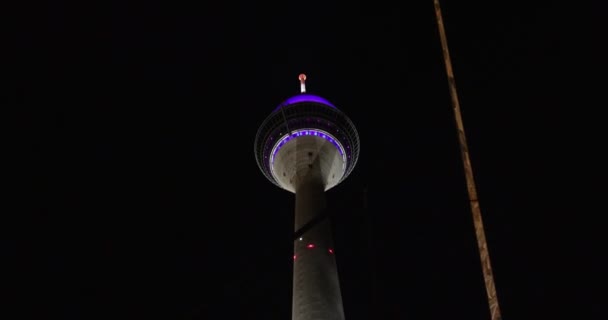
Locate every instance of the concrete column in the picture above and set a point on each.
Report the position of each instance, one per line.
(316, 288)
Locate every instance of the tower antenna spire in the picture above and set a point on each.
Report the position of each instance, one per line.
(302, 78)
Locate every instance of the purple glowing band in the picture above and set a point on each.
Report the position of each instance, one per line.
(307, 132)
(305, 97)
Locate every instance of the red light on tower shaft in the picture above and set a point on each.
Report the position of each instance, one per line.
(331, 250)
(302, 78)
(310, 246)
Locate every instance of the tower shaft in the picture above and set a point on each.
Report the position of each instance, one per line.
(316, 288)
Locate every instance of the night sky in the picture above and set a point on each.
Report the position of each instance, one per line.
(139, 196)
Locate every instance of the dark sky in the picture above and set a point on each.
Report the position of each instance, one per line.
(140, 197)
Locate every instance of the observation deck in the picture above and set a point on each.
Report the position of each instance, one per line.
(303, 132)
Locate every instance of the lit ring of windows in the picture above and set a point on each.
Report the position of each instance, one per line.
(307, 132)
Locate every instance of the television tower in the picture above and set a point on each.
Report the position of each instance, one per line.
(307, 146)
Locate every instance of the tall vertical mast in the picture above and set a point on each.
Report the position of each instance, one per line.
(468, 170)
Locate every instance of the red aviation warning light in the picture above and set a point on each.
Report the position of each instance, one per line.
(302, 78)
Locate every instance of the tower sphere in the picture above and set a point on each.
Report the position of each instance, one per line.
(303, 132)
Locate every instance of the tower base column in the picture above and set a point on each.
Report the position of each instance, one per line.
(316, 288)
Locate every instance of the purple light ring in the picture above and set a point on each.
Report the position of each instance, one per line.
(302, 132)
(305, 97)
(298, 133)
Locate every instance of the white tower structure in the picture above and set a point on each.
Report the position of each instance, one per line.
(307, 146)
